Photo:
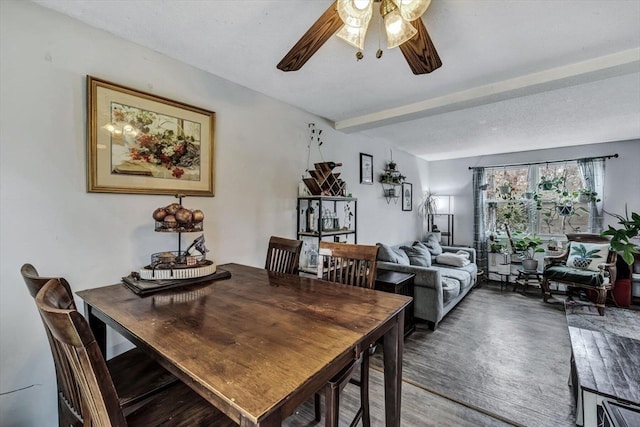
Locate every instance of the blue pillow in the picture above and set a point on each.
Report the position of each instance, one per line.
(418, 254)
(389, 254)
(433, 244)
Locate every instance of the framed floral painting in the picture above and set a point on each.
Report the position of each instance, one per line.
(145, 144)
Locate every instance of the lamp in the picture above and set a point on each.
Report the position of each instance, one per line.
(413, 9)
(396, 14)
(397, 28)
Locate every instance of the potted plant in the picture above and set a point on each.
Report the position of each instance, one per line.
(621, 236)
(550, 183)
(505, 190)
(564, 204)
(585, 195)
(428, 204)
(528, 247)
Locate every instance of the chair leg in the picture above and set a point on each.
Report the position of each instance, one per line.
(316, 404)
(602, 296)
(545, 289)
(331, 405)
(364, 390)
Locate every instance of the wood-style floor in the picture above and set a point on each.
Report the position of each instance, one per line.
(500, 358)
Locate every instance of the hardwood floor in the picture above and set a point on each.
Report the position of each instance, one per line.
(498, 359)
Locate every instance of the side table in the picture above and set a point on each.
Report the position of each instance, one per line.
(523, 279)
(402, 284)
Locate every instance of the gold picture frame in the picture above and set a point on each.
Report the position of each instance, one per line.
(140, 143)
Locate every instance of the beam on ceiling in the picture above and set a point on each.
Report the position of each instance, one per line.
(600, 68)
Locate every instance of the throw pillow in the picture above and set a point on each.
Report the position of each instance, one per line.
(389, 254)
(587, 256)
(455, 260)
(418, 254)
(433, 244)
(385, 253)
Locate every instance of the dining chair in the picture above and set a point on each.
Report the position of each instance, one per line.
(136, 376)
(177, 405)
(353, 265)
(283, 255)
(587, 263)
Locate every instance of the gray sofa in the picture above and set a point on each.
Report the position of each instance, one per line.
(437, 288)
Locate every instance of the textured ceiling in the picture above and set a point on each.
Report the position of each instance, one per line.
(516, 75)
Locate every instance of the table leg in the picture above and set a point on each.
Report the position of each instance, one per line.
(393, 346)
(98, 328)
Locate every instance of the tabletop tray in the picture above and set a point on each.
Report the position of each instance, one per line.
(145, 287)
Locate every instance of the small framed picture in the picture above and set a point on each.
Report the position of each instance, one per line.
(407, 196)
(366, 169)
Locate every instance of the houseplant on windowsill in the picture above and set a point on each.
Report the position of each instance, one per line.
(528, 247)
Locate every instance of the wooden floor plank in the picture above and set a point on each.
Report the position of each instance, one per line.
(502, 352)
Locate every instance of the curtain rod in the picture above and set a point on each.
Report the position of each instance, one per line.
(612, 156)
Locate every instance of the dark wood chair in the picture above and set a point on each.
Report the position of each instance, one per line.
(135, 375)
(353, 265)
(177, 405)
(283, 255)
(600, 281)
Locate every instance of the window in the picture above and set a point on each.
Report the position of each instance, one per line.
(516, 201)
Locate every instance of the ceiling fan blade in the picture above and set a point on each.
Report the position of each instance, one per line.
(326, 26)
(420, 52)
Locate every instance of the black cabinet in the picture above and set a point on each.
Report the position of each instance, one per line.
(402, 284)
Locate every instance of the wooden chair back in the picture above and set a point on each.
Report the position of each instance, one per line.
(349, 264)
(69, 399)
(283, 255)
(89, 369)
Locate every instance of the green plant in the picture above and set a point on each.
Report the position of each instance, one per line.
(620, 237)
(428, 204)
(550, 183)
(585, 195)
(528, 246)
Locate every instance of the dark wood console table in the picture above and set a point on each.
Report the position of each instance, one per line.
(401, 284)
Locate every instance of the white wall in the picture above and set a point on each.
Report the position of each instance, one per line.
(622, 178)
(48, 219)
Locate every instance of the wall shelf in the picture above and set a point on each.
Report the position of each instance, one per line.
(333, 217)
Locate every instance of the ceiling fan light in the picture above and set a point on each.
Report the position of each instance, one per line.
(398, 30)
(355, 13)
(413, 9)
(353, 36)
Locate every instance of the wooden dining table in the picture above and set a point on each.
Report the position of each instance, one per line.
(258, 344)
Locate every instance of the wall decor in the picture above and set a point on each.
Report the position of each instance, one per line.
(145, 144)
(407, 196)
(366, 169)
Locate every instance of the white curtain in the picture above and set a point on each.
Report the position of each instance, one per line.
(592, 171)
(479, 232)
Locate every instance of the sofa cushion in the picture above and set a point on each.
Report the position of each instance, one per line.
(418, 254)
(433, 244)
(464, 275)
(391, 254)
(450, 289)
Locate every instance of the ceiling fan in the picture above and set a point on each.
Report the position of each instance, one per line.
(349, 20)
